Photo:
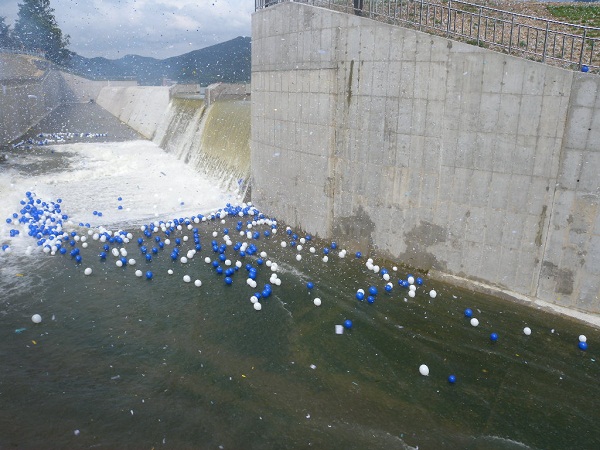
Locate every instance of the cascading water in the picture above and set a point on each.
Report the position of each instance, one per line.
(215, 140)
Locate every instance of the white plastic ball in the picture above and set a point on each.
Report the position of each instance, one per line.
(432, 293)
(186, 278)
(312, 250)
(207, 260)
(424, 370)
(474, 322)
(412, 287)
(317, 301)
(119, 263)
(138, 273)
(36, 318)
(170, 271)
(88, 271)
(198, 283)
(411, 294)
(386, 276)
(411, 280)
(527, 331)
(254, 299)
(257, 306)
(183, 260)
(283, 244)
(131, 262)
(582, 338)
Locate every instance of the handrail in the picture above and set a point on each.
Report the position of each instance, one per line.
(548, 41)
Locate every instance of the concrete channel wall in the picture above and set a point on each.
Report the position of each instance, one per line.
(443, 155)
(25, 101)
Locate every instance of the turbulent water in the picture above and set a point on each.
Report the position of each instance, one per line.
(128, 359)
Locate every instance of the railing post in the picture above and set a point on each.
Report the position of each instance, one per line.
(478, 26)
(421, 15)
(512, 26)
(582, 48)
(449, 18)
(545, 42)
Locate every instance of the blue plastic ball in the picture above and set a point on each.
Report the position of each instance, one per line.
(419, 281)
(358, 254)
(583, 345)
(373, 290)
(494, 337)
(347, 324)
(310, 285)
(585, 68)
(360, 296)
(371, 299)
(468, 312)
(149, 275)
(228, 280)
(388, 288)
(451, 379)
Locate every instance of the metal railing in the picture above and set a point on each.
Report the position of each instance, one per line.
(567, 45)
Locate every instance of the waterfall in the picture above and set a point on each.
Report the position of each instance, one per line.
(214, 139)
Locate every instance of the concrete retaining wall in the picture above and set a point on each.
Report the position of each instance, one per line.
(24, 103)
(82, 90)
(440, 154)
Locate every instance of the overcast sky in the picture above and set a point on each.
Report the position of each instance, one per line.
(157, 28)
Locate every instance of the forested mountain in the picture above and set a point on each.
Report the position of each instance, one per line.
(227, 62)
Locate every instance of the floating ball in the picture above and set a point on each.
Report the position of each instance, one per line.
(493, 337)
(170, 271)
(411, 294)
(228, 280)
(347, 324)
(317, 301)
(582, 345)
(468, 312)
(474, 322)
(432, 293)
(410, 279)
(87, 271)
(257, 306)
(360, 296)
(36, 318)
(198, 283)
(149, 275)
(419, 281)
(371, 299)
(186, 278)
(358, 254)
(424, 370)
(527, 331)
(310, 285)
(582, 338)
(372, 290)
(585, 68)
(138, 273)
(298, 257)
(451, 379)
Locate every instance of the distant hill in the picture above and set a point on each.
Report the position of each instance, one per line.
(227, 62)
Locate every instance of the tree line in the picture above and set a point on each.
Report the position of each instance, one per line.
(36, 30)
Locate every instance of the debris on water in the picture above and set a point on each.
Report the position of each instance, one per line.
(116, 377)
(76, 432)
(20, 330)
(339, 329)
(312, 366)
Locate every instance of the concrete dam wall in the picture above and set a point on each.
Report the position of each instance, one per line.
(214, 139)
(450, 157)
